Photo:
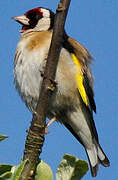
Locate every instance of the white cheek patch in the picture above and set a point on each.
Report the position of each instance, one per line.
(46, 13)
(43, 24)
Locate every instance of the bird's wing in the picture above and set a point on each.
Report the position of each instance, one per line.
(82, 59)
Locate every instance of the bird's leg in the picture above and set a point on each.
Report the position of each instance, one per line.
(48, 124)
(51, 121)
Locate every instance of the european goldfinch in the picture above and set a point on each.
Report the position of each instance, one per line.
(72, 102)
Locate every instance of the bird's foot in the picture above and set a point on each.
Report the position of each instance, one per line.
(48, 124)
(47, 131)
(53, 85)
(53, 82)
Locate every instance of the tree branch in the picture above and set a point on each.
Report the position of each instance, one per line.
(36, 132)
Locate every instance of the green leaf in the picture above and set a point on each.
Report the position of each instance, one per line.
(17, 170)
(43, 172)
(4, 168)
(2, 137)
(71, 168)
(5, 171)
(6, 175)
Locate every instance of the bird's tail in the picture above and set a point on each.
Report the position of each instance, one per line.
(96, 156)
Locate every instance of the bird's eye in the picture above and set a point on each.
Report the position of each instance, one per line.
(34, 18)
(34, 15)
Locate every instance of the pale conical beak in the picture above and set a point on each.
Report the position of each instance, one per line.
(21, 19)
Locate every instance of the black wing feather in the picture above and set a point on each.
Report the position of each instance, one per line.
(89, 92)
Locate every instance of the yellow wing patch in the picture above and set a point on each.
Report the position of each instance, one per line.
(80, 78)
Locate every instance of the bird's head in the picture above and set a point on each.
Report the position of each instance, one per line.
(38, 19)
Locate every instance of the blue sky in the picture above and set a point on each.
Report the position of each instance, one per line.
(95, 25)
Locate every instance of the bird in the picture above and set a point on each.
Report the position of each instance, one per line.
(72, 103)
